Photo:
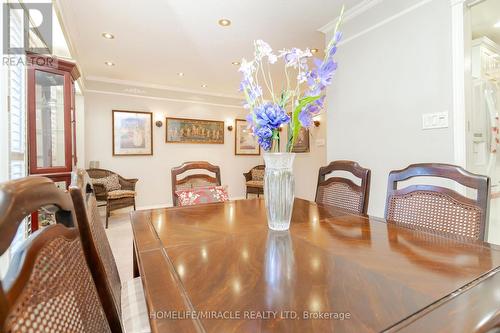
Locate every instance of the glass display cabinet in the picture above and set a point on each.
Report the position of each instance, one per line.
(51, 119)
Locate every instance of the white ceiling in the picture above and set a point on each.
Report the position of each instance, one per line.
(483, 18)
(156, 39)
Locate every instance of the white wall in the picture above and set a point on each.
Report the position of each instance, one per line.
(154, 186)
(388, 76)
(80, 130)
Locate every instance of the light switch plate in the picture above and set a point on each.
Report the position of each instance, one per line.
(435, 120)
(320, 142)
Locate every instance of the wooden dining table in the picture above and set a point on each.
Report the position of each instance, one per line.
(219, 268)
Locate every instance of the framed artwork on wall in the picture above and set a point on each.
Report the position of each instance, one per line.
(132, 133)
(184, 130)
(244, 141)
(302, 143)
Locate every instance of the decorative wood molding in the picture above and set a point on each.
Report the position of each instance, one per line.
(105, 92)
(156, 86)
(351, 13)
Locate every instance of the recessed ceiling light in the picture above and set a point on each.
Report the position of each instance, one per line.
(314, 51)
(109, 63)
(497, 25)
(204, 86)
(224, 22)
(236, 63)
(107, 35)
(180, 74)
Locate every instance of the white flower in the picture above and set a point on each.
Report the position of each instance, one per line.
(247, 67)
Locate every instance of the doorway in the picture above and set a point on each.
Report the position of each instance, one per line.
(483, 104)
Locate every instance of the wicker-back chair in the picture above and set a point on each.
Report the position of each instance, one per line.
(125, 197)
(254, 186)
(194, 180)
(342, 192)
(123, 306)
(436, 208)
(51, 288)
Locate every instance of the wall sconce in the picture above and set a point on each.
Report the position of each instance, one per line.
(316, 121)
(158, 118)
(229, 123)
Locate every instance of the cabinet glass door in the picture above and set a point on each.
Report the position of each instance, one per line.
(49, 120)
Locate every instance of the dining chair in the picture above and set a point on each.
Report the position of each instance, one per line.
(342, 192)
(254, 180)
(194, 180)
(48, 286)
(436, 208)
(126, 302)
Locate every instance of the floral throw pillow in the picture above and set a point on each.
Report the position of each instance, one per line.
(111, 183)
(202, 195)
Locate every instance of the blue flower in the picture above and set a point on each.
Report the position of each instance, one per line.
(270, 115)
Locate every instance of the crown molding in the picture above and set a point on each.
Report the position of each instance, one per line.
(156, 86)
(351, 13)
(106, 92)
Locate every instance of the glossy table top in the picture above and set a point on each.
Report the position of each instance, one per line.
(218, 268)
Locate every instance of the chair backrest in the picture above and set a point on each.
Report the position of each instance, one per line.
(436, 208)
(248, 175)
(99, 173)
(96, 245)
(52, 288)
(194, 180)
(343, 192)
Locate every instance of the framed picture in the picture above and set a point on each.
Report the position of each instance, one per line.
(182, 130)
(302, 142)
(132, 133)
(244, 141)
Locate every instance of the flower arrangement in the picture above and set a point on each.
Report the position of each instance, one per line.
(304, 100)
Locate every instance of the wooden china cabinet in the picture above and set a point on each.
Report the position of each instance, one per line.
(51, 119)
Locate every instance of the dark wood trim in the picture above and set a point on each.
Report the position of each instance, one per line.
(113, 131)
(192, 119)
(236, 139)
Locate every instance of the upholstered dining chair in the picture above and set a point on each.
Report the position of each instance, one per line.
(436, 208)
(118, 192)
(126, 303)
(48, 286)
(342, 192)
(194, 180)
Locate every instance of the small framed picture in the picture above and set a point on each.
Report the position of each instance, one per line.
(184, 130)
(245, 143)
(302, 142)
(132, 133)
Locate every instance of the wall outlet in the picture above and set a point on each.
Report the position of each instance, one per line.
(435, 120)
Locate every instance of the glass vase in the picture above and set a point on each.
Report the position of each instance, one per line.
(279, 189)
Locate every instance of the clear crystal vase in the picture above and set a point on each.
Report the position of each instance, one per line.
(279, 189)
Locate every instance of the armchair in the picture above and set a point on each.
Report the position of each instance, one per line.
(254, 180)
(115, 199)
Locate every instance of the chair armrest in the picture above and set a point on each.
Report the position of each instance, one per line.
(100, 191)
(128, 184)
(248, 176)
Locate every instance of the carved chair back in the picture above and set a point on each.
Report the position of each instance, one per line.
(50, 288)
(343, 192)
(437, 208)
(194, 180)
